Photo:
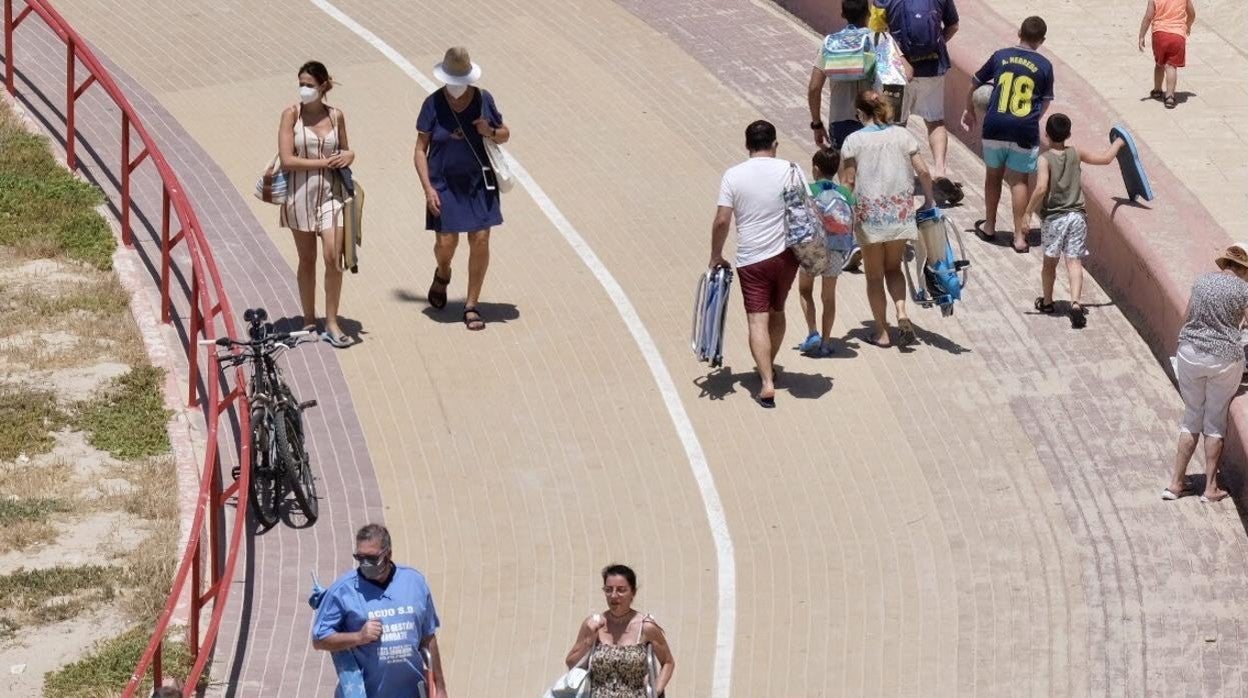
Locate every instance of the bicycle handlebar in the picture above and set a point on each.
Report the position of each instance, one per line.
(271, 339)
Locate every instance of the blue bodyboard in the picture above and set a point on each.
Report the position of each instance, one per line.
(1133, 174)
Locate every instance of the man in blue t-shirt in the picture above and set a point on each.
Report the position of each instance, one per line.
(922, 28)
(383, 614)
(1022, 81)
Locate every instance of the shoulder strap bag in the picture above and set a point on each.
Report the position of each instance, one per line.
(498, 172)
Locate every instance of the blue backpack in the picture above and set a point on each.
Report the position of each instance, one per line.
(917, 28)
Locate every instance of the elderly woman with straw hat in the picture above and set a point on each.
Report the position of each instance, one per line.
(1209, 366)
(461, 193)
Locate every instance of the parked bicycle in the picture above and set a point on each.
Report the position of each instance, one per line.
(279, 460)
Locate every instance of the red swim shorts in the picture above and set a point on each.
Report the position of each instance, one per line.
(1169, 49)
(765, 285)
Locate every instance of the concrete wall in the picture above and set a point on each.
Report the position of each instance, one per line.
(1146, 255)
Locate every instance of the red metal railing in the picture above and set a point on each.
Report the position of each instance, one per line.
(208, 317)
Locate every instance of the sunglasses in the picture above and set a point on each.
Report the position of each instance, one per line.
(370, 559)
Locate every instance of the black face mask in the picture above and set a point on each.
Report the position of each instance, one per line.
(374, 571)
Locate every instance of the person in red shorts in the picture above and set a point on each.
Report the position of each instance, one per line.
(752, 193)
(1169, 21)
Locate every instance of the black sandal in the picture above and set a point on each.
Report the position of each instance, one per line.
(981, 234)
(1156, 94)
(1170, 102)
(437, 298)
(475, 324)
(1046, 308)
(1078, 317)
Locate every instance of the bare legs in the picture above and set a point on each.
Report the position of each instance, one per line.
(766, 336)
(881, 264)
(1183, 456)
(938, 138)
(992, 198)
(1018, 201)
(305, 245)
(444, 247)
(827, 295)
(1171, 75)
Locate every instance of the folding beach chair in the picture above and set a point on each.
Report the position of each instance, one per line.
(710, 308)
(352, 230)
(935, 275)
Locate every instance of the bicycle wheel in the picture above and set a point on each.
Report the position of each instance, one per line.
(265, 486)
(295, 464)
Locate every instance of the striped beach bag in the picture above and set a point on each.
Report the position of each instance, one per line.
(848, 55)
(272, 185)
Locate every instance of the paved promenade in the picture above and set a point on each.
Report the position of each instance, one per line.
(976, 516)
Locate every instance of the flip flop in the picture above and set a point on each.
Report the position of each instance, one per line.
(768, 403)
(947, 192)
(981, 234)
(339, 341)
(907, 334)
(437, 298)
(1170, 495)
(1209, 500)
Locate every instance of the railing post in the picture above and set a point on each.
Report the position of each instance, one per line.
(8, 46)
(127, 237)
(71, 161)
(165, 252)
(193, 338)
(192, 639)
(157, 675)
(218, 526)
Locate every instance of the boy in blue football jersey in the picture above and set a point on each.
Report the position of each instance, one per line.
(1022, 90)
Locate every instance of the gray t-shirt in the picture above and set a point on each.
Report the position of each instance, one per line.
(1214, 315)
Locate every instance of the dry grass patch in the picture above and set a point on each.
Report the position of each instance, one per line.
(27, 419)
(154, 482)
(45, 210)
(106, 670)
(128, 417)
(28, 597)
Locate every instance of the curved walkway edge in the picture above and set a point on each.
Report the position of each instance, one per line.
(274, 581)
(1146, 254)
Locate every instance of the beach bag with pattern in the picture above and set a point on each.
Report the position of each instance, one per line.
(804, 226)
(272, 186)
(848, 55)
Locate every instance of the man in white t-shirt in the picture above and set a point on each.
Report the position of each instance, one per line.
(753, 194)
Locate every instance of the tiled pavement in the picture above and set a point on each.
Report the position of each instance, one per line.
(977, 516)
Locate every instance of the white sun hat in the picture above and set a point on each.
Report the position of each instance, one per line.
(456, 68)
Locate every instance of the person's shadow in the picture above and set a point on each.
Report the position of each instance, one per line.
(352, 328)
(926, 338)
(722, 382)
(453, 313)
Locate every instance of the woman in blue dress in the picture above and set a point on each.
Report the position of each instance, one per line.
(461, 196)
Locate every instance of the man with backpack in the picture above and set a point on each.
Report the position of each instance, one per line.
(846, 60)
(922, 28)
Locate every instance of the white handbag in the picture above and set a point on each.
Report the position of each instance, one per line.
(574, 684)
(502, 169)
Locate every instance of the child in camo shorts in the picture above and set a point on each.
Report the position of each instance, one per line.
(1059, 197)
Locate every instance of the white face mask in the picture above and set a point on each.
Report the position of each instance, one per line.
(307, 95)
(456, 91)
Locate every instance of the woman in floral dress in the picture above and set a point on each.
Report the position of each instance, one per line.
(879, 162)
(615, 643)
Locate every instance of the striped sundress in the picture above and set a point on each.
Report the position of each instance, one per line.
(314, 204)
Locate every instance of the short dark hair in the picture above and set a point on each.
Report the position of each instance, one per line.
(623, 570)
(827, 160)
(1033, 30)
(374, 532)
(856, 12)
(760, 135)
(1058, 127)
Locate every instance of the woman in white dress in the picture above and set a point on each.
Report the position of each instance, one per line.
(312, 143)
(879, 162)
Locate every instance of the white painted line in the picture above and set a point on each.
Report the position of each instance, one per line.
(725, 632)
